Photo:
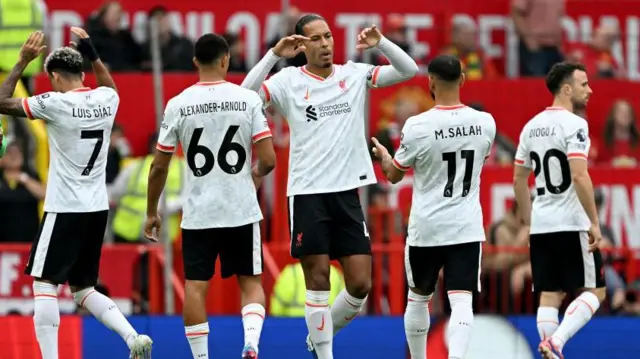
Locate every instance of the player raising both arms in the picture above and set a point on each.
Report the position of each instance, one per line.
(79, 122)
(564, 226)
(216, 122)
(324, 104)
(446, 146)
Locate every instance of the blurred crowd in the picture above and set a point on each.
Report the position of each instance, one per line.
(538, 24)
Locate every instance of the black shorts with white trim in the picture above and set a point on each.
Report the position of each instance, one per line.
(239, 249)
(461, 263)
(561, 262)
(68, 248)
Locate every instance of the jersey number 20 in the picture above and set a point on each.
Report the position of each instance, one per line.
(209, 158)
(543, 165)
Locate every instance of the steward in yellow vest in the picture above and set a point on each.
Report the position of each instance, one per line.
(289, 291)
(18, 19)
(131, 210)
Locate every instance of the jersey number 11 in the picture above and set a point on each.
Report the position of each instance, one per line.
(450, 159)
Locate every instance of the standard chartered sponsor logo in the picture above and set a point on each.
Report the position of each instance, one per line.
(335, 109)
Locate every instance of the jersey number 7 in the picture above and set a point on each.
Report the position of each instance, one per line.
(92, 135)
(209, 159)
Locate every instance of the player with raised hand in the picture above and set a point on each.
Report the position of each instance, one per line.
(563, 222)
(446, 147)
(324, 104)
(217, 122)
(68, 246)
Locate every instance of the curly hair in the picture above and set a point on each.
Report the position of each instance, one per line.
(65, 60)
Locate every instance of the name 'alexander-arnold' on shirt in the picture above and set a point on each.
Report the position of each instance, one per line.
(459, 131)
(211, 107)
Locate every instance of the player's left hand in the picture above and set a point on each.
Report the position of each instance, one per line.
(378, 149)
(152, 227)
(33, 47)
(368, 38)
(595, 237)
(80, 33)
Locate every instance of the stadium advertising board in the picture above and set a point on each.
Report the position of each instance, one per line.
(427, 22)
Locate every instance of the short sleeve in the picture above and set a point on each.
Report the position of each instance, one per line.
(273, 90)
(491, 127)
(168, 136)
(409, 148)
(45, 106)
(259, 125)
(578, 142)
(522, 155)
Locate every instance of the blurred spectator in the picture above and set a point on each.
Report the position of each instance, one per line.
(620, 138)
(539, 26)
(18, 19)
(288, 28)
(237, 62)
(464, 45)
(116, 46)
(20, 193)
(129, 192)
(597, 54)
(503, 150)
(389, 132)
(176, 51)
(616, 287)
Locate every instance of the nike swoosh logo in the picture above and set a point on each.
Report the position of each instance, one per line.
(321, 327)
(351, 317)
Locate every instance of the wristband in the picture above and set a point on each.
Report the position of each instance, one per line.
(85, 46)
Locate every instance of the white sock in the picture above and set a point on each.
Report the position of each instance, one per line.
(252, 319)
(547, 321)
(460, 323)
(318, 317)
(46, 318)
(416, 324)
(578, 313)
(344, 309)
(106, 311)
(198, 337)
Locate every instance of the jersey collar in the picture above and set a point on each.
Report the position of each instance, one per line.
(316, 77)
(446, 108)
(81, 89)
(555, 108)
(210, 83)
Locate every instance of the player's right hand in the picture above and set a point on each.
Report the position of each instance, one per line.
(152, 227)
(33, 47)
(595, 237)
(378, 149)
(290, 46)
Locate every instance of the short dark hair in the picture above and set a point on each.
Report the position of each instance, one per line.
(303, 21)
(560, 73)
(66, 61)
(158, 10)
(446, 68)
(210, 48)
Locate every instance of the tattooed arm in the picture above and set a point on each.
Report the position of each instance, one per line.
(8, 105)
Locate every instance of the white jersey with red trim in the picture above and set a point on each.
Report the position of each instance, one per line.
(79, 127)
(446, 147)
(547, 143)
(216, 123)
(329, 151)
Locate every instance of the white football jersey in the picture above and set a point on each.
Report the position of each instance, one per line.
(216, 123)
(446, 147)
(79, 127)
(329, 151)
(547, 143)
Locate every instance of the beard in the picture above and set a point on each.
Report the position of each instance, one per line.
(579, 105)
